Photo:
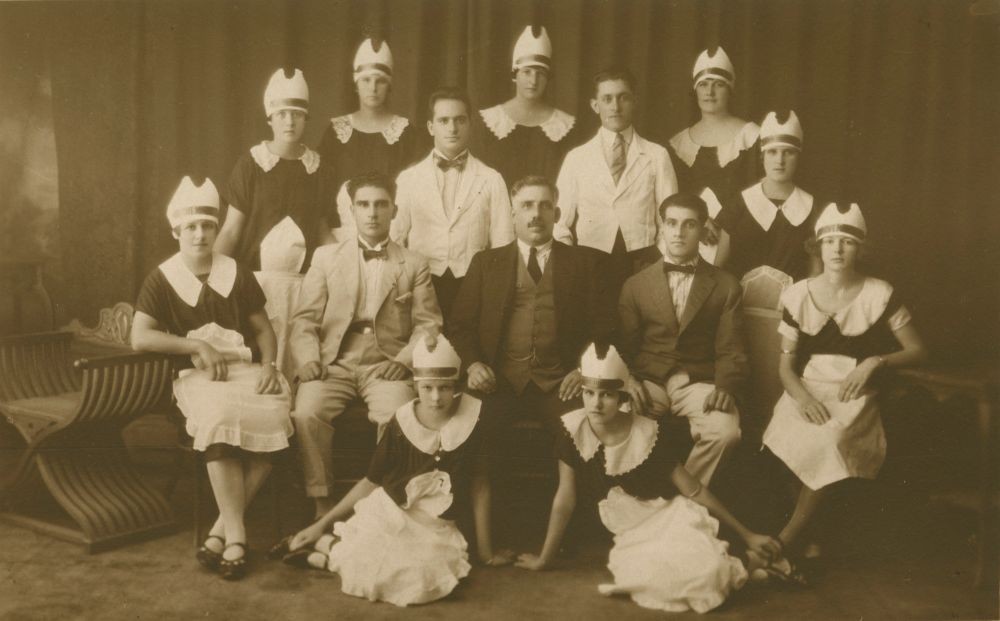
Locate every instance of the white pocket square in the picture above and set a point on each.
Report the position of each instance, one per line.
(404, 298)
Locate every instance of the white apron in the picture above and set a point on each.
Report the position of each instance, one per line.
(282, 253)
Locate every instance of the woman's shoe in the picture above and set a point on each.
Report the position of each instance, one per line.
(781, 571)
(234, 569)
(281, 549)
(208, 557)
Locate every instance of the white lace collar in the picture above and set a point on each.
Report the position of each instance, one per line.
(449, 437)
(687, 149)
(343, 127)
(796, 207)
(501, 125)
(854, 319)
(267, 160)
(618, 459)
(187, 286)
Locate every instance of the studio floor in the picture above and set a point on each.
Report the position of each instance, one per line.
(900, 556)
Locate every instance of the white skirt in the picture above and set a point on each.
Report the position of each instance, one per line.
(667, 555)
(231, 412)
(281, 290)
(398, 555)
(850, 444)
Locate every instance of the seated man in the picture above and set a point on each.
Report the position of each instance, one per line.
(364, 304)
(681, 334)
(526, 311)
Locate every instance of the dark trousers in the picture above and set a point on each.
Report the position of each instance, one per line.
(623, 263)
(446, 288)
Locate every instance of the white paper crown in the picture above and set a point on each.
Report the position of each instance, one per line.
(532, 51)
(774, 133)
(842, 219)
(368, 60)
(608, 373)
(714, 64)
(284, 93)
(191, 203)
(435, 358)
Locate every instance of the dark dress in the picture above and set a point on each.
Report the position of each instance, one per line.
(350, 152)
(516, 151)
(266, 188)
(158, 299)
(725, 169)
(755, 241)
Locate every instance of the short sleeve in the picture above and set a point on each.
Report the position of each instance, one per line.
(565, 451)
(378, 467)
(239, 190)
(251, 296)
(788, 327)
(152, 298)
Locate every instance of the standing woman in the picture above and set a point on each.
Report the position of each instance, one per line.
(770, 222)
(838, 330)
(209, 311)
(280, 202)
(372, 138)
(526, 135)
(716, 152)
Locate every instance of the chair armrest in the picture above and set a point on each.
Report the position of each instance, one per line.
(36, 365)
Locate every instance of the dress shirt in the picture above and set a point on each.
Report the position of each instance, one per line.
(448, 181)
(680, 285)
(608, 142)
(542, 252)
(371, 276)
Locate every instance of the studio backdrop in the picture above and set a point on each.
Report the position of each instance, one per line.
(898, 100)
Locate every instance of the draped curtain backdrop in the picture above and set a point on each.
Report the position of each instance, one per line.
(898, 100)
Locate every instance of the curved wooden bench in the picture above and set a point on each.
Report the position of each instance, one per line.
(70, 415)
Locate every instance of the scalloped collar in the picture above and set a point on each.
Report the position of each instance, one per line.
(621, 458)
(687, 149)
(186, 285)
(796, 207)
(852, 320)
(343, 127)
(501, 125)
(449, 437)
(267, 160)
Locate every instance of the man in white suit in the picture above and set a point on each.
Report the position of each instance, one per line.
(451, 205)
(611, 186)
(364, 304)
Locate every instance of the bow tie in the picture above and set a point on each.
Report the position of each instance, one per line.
(670, 267)
(372, 254)
(458, 163)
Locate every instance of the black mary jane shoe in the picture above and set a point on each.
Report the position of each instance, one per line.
(299, 558)
(208, 557)
(234, 569)
(281, 549)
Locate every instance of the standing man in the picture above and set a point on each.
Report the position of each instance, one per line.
(451, 205)
(682, 336)
(365, 303)
(526, 312)
(610, 187)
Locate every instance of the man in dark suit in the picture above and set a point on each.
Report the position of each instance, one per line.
(681, 333)
(526, 312)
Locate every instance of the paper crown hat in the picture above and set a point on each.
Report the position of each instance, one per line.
(435, 358)
(714, 63)
(842, 219)
(191, 203)
(607, 373)
(775, 132)
(372, 58)
(286, 93)
(532, 51)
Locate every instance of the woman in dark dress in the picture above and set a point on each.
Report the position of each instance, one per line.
(666, 555)
(209, 311)
(769, 222)
(371, 138)
(717, 153)
(526, 135)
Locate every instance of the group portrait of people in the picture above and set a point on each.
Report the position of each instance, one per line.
(587, 284)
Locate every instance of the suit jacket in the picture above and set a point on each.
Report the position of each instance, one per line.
(325, 307)
(706, 340)
(584, 311)
(481, 217)
(596, 208)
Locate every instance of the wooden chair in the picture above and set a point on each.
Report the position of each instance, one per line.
(70, 415)
(762, 288)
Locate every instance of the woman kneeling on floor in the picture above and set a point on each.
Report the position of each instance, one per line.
(209, 310)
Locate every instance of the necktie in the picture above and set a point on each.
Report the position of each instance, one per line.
(533, 268)
(458, 163)
(670, 267)
(618, 158)
(369, 254)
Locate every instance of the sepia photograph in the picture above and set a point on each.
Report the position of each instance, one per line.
(499, 309)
